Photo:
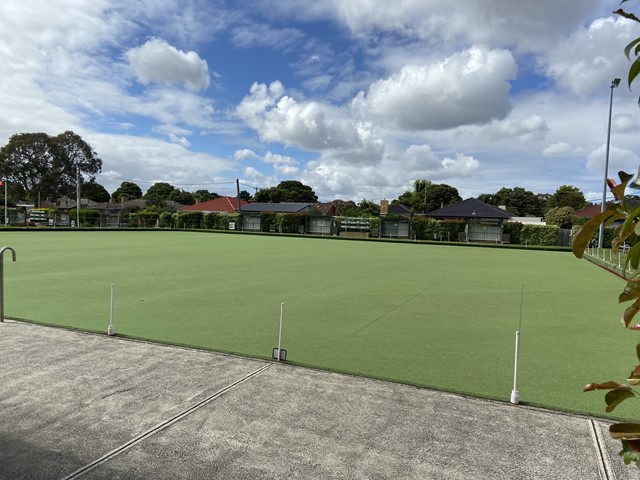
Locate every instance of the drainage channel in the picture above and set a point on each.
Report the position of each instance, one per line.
(161, 426)
(604, 467)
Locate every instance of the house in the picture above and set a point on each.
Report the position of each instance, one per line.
(483, 221)
(589, 212)
(319, 219)
(217, 205)
(111, 213)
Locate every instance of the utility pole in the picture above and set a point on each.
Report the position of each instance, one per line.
(77, 197)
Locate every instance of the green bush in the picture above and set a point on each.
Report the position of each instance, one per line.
(514, 230)
(290, 222)
(165, 220)
(85, 213)
(147, 218)
(267, 220)
(546, 235)
(220, 221)
(431, 229)
(189, 220)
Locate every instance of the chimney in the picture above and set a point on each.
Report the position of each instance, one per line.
(384, 207)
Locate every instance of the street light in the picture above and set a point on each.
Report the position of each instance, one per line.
(614, 84)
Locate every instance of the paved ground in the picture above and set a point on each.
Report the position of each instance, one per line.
(76, 405)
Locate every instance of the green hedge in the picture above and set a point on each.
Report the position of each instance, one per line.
(546, 235)
(431, 229)
(189, 220)
(267, 220)
(514, 230)
(165, 220)
(85, 213)
(220, 221)
(290, 222)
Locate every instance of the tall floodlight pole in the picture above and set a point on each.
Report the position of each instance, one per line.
(614, 84)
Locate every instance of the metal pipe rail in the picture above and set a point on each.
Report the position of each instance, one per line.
(2, 250)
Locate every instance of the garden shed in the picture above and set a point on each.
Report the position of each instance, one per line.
(483, 222)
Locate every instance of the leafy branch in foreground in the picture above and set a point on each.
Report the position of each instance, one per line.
(627, 233)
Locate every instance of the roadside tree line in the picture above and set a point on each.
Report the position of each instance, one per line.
(38, 166)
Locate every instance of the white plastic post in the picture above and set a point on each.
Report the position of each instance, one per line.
(515, 394)
(110, 330)
(280, 331)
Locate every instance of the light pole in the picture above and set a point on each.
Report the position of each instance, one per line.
(6, 214)
(614, 84)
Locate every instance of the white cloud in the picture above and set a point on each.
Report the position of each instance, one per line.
(471, 87)
(625, 123)
(282, 165)
(619, 159)
(253, 35)
(169, 106)
(175, 134)
(308, 125)
(148, 158)
(531, 128)
(244, 154)
(583, 63)
(493, 22)
(157, 61)
(420, 160)
(557, 150)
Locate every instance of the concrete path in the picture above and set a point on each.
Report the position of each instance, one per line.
(75, 405)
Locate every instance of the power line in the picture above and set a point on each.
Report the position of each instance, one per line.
(151, 182)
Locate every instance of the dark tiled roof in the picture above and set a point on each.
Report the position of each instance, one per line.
(399, 209)
(470, 208)
(257, 207)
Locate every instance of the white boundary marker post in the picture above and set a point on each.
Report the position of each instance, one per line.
(515, 394)
(110, 330)
(280, 330)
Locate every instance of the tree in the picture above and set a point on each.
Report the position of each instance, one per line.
(367, 208)
(94, 191)
(244, 195)
(441, 195)
(427, 196)
(46, 166)
(182, 196)
(127, 191)
(347, 208)
(286, 191)
(567, 196)
(520, 202)
(74, 156)
(159, 191)
(204, 195)
(563, 217)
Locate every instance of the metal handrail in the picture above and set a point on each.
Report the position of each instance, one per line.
(2, 250)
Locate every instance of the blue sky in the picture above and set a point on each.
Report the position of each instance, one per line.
(355, 98)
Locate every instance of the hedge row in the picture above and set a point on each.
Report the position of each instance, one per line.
(197, 220)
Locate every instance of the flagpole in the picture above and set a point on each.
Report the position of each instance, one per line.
(6, 215)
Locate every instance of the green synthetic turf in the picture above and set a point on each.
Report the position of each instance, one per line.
(433, 315)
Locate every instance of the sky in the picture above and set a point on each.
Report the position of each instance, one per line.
(355, 98)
